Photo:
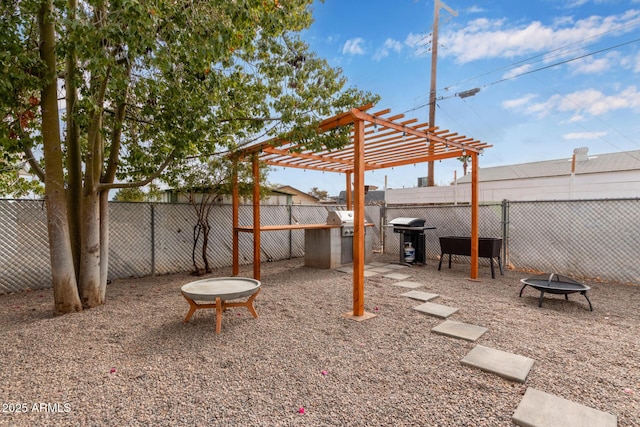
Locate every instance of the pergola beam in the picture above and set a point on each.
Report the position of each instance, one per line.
(391, 144)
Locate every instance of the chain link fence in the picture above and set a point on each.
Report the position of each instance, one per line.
(147, 239)
(580, 238)
(587, 239)
(448, 220)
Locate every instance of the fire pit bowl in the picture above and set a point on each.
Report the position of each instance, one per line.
(555, 284)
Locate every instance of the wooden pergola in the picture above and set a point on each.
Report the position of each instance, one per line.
(378, 141)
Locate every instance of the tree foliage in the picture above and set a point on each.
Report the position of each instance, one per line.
(106, 94)
(319, 194)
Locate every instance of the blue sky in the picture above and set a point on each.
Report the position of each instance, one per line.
(554, 75)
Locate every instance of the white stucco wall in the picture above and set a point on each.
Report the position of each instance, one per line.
(609, 185)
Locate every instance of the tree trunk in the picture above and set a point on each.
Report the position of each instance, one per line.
(104, 243)
(196, 236)
(205, 245)
(65, 291)
(90, 286)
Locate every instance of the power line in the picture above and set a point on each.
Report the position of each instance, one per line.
(545, 54)
(555, 64)
(565, 61)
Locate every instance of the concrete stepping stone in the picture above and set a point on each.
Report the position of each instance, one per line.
(420, 296)
(396, 266)
(345, 269)
(507, 365)
(436, 310)
(540, 409)
(461, 330)
(404, 284)
(381, 269)
(376, 264)
(397, 276)
(370, 272)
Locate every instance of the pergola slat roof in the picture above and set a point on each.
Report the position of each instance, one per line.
(378, 141)
(388, 143)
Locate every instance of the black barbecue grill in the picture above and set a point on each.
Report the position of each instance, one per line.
(411, 230)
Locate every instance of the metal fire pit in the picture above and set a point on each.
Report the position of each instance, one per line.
(555, 284)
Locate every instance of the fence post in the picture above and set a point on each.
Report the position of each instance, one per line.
(383, 222)
(153, 240)
(290, 231)
(505, 232)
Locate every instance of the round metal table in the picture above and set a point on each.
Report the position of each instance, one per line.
(220, 290)
(555, 284)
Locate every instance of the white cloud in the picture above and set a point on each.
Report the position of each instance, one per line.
(636, 68)
(591, 65)
(576, 118)
(584, 135)
(354, 46)
(389, 45)
(589, 101)
(476, 9)
(517, 71)
(576, 3)
(419, 43)
(484, 38)
(518, 102)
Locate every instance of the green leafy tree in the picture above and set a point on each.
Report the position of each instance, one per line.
(319, 194)
(106, 94)
(138, 194)
(135, 194)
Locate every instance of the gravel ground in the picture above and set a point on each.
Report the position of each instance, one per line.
(133, 361)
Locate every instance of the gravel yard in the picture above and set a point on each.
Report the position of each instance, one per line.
(134, 362)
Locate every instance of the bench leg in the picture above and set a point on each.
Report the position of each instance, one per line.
(449, 260)
(218, 315)
(193, 306)
(440, 263)
(493, 273)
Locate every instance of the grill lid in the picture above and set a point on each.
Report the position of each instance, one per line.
(340, 218)
(407, 222)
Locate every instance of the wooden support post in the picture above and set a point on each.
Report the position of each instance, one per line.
(474, 215)
(256, 216)
(348, 191)
(235, 209)
(358, 223)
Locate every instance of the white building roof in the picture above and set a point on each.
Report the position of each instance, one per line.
(597, 163)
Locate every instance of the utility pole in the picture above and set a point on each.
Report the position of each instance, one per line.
(432, 94)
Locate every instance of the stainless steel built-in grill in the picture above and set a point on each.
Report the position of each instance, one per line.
(344, 219)
(333, 246)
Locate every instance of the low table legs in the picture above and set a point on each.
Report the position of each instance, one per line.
(220, 306)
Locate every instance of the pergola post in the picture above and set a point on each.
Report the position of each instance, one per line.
(348, 192)
(398, 143)
(474, 215)
(358, 223)
(235, 209)
(256, 216)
